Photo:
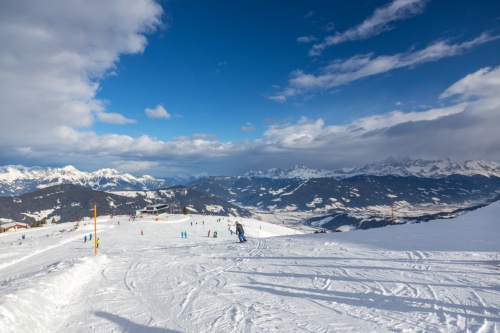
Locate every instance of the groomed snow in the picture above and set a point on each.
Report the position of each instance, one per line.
(438, 276)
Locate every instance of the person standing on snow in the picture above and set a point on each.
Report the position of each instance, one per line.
(240, 232)
(85, 239)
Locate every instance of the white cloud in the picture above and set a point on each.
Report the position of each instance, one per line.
(135, 166)
(204, 136)
(248, 128)
(309, 14)
(484, 82)
(113, 118)
(158, 112)
(278, 98)
(307, 133)
(306, 39)
(375, 24)
(340, 72)
(53, 55)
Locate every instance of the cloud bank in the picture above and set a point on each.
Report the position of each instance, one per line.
(54, 55)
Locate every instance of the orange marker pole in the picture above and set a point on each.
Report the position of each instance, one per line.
(95, 230)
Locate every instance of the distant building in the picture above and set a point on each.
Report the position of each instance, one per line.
(13, 226)
(154, 209)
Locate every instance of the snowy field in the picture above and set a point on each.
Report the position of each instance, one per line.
(439, 276)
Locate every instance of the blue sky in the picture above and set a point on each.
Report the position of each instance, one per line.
(224, 87)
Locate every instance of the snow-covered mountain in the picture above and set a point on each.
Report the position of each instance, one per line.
(401, 167)
(297, 171)
(406, 167)
(356, 200)
(16, 179)
(419, 190)
(67, 201)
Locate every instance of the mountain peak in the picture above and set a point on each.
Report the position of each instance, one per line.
(392, 166)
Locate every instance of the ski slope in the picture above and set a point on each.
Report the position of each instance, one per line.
(439, 276)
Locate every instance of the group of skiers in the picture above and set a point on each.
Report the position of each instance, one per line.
(98, 241)
(239, 231)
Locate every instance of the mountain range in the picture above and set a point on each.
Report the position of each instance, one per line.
(67, 202)
(402, 167)
(16, 179)
(356, 200)
(363, 197)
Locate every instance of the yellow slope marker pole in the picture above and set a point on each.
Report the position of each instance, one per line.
(95, 230)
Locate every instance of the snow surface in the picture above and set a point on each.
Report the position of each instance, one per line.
(438, 276)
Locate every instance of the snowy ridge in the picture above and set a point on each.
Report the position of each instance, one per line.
(17, 179)
(401, 167)
(297, 171)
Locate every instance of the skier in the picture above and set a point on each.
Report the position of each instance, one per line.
(98, 242)
(142, 232)
(215, 234)
(90, 237)
(208, 233)
(240, 232)
(85, 239)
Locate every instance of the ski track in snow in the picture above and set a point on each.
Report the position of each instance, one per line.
(160, 282)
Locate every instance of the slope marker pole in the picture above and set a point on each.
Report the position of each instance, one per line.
(392, 210)
(95, 230)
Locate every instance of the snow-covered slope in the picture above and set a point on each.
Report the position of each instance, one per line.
(402, 167)
(432, 277)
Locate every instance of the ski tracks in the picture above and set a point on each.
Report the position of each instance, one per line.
(195, 278)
